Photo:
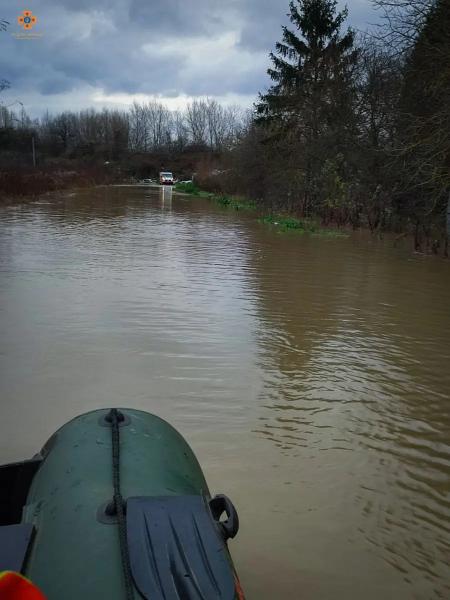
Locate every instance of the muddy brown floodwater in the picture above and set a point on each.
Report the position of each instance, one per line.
(310, 375)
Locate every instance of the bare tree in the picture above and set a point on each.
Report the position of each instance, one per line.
(118, 133)
(7, 118)
(379, 82)
(138, 127)
(197, 119)
(159, 121)
(4, 84)
(180, 129)
(402, 21)
(63, 127)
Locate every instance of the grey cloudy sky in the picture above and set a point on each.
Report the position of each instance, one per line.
(110, 52)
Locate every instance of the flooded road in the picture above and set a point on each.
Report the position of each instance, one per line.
(310, 375)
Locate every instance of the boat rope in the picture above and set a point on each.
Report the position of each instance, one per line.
(115, 417)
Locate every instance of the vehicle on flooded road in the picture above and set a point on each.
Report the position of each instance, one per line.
(166, 178)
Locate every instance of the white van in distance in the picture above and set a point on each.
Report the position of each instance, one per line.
(166, 178)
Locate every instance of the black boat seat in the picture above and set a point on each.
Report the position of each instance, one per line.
(15, 482)
(177, 550)
(14, 543)
(15, 537)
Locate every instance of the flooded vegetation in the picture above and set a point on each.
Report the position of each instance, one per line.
(309, 374)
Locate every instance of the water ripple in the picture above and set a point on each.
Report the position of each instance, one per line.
(310, 375)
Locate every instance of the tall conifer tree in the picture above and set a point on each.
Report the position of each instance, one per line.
(310, 100)
(308, 61)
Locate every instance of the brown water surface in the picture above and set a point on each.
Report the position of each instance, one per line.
(310, 375)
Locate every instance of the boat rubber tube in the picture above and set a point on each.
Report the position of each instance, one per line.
(176, 542)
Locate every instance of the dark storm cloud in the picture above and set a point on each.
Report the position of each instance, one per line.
(55, 85)
(180, 18)
(261, 22)
(152, 47)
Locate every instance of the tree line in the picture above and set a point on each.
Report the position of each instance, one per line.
(205, 125)
(355, 129)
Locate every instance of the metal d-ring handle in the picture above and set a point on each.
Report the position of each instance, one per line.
(222, 504)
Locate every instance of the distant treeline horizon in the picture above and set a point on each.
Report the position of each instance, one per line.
(144, 127)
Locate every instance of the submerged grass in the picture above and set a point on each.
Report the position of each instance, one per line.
(187, 188)
(283, 223)
(235, 202)
(288, 223)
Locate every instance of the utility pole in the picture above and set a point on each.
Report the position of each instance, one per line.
(448, 227)
(34, 151)
(448, 215)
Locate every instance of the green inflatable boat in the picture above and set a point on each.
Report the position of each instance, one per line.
(116, 507)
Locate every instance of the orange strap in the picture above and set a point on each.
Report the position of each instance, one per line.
(15, 587)
(238, 589)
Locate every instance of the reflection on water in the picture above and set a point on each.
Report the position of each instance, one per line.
(354, 357)
(310, 375)
(165, 196)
